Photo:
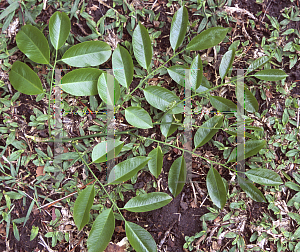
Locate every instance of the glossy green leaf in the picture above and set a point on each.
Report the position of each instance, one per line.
(82, 206)
(148, 202)
(33, 44)
(251, 104)
(207, 130)
(208, 38)
(264, 177)
(139, 238)
(24, 79)
(141, 44)
(250, 189)
(59, 29)
(126, 169)
(81, 82)
(156, 161)
(112, 96)
(252, 147)
(177, 176)
(271, 75)
(122, 66)
(222, 104)
(138, 117)
(103, 150)
(162, 98)
(205, 85)
(167, 127)
(258, 63)
(196, 72)
(216, 188)
(102, 231)
(226, 63)
(178, 27)
(89, 53)
(177, 73)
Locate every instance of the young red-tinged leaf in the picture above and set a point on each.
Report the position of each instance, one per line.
(81, 82)
(208, 38)
(215, 187)
(102, 231)
(138, 117)
(207, 130)
(264, 177)
(178, 27)
(148, 202)
(82, 206)
(177, 176)
(126, 169)
(59, 29)
(122, 66)
(139, 238)
(24, 79)
(226, 63)
(250, 189)
(33, 44)
(88, 53)
(156, 161)
(141, 44)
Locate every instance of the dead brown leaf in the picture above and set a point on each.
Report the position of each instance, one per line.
(40, 171)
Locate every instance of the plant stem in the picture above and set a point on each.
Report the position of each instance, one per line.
(112, 201)
(50, 92)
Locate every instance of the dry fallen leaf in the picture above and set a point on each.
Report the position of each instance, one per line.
(114, 248)
(94, 7)
(40, 171)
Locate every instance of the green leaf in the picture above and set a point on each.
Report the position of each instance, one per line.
(89, 53)
(226, 63)
(207, 130)
(126, 169)
(252, 147)
(11, 8)
(138, 117)
(33, 44)
(196, 73)
(205, 85)
(16, 231)
(264, 177)
(178, 27)
(81, 82)
(82, 207)
(292, 186)
(113, 93)
(216, 188)
(34, 232)
(122, 66)
(24, 79)
(258, 63)
(177, 176)
(222, 104)
(148, 202)
(59, 29)
(208, 38)
(177, 73)
(251, 104)
(271, 75)
(101, 151)
(162, 98)
(166, 126)
(102, 231)
(250, 189)
(141, 44)
(139, 238)
(156, 161)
